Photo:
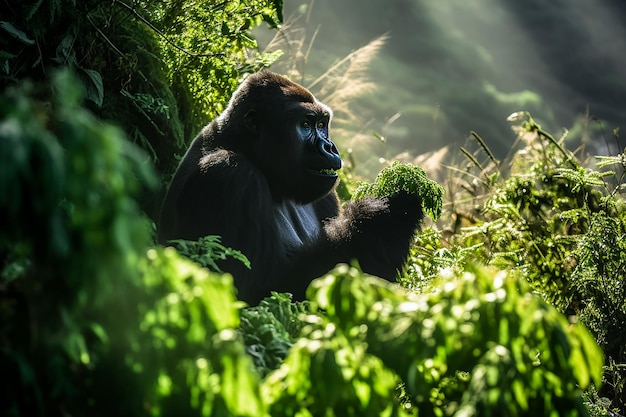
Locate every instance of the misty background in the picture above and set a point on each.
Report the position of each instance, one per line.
(449, 67)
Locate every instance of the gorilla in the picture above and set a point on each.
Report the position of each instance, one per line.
(262, 175)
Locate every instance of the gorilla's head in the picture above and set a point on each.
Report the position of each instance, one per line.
(284, 130)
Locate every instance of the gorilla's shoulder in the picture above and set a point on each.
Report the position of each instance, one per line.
(230, 173)
(221, 159)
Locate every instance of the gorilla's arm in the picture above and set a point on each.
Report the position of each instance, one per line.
(376, 232)
(233, 201)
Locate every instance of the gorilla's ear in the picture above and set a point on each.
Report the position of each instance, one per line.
(251, 121)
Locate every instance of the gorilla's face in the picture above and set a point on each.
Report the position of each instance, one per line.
(319, 157)
(295, 152)
(286, 137)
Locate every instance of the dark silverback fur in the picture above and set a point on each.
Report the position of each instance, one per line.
(261, 175)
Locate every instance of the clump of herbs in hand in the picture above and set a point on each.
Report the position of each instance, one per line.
(408, 178)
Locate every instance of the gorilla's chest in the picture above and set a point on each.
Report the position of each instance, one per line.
(297, 224)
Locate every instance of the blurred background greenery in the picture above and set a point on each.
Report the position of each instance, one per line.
(449, 67)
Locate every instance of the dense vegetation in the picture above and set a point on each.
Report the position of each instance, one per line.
(512, 304)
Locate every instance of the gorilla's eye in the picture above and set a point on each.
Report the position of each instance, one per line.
(306, 124)
(321, 125)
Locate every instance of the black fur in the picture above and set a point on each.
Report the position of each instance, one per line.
(256, 176)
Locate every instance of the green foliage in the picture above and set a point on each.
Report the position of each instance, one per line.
(532, 220)
(599, 275)
(270, 329)
(186, 349)
(469, 348)
(208, 250)
(92, 321)
(159, 69)
(330, 375)
(207, 46)
(430, 258)
(73, 233)
(405, 178)
(598, 280)
(557, 223)
(50, 214)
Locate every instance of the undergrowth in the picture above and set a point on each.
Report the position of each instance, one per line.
(551, 217)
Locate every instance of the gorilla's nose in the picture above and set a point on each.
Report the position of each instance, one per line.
(328, 147)
(329, 151)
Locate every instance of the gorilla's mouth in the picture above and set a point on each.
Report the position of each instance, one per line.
(324, 172)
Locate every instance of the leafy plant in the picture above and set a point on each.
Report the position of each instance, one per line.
(158, 69)
(72, 238)
(330, 375)
(93, 321)
(185, 350)
(598, 280)
(560, 225)
(408, 178)
(481, 344)
(208, 250)
(532, 220)
(270, 329)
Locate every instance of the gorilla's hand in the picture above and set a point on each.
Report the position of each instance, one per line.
(405, 208)
(378, 232)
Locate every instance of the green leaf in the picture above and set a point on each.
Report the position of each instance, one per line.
(65, 51)
(278, 5)
(16, 33)
(92, 81)
(225, 29)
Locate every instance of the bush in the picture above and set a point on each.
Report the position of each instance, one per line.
(482, 344)
(92, 320)
(553, 221)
